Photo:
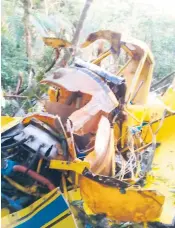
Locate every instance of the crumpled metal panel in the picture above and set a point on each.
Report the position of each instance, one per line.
(135, 205)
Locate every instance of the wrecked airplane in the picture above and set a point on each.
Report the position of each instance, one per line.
(99, 141)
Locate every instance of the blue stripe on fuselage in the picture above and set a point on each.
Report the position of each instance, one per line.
(48, 213)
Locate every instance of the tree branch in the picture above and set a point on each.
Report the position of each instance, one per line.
(79, 27)
(15, 96)
(162, 80)
(19, 84)
(57, 52)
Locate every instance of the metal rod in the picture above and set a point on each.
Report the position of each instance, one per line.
(135, 94)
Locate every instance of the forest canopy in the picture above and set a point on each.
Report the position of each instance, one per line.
(24, 22)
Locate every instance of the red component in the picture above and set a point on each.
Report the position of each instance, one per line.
(34, 175)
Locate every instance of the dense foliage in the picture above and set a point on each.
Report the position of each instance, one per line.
(59, 18)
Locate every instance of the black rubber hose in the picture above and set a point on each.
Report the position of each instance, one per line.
(10, 136)
(14, 144)
(35, 158)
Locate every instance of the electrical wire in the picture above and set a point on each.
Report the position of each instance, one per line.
(35, 158)
(16, 143)
(132, 163)
(9, 136)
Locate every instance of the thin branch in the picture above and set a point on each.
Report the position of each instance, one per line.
(162, 80)
(15, 96)
(22, 90)
(57, 52)
(19, 84)
(160, 88)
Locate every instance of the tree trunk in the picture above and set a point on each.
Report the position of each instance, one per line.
(26, 5)
(81, 21)
(83, 15)
(46, 7)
